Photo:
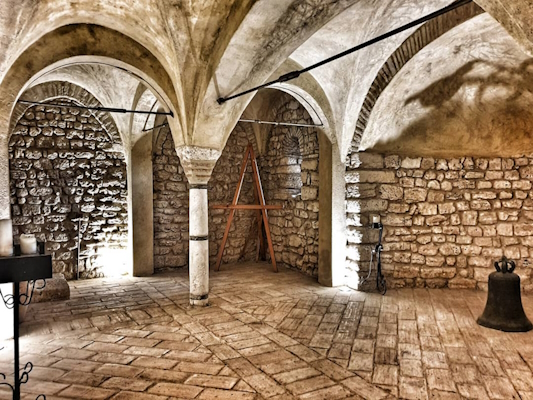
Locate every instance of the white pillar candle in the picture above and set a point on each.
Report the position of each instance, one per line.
(6, 238)
(376, 219)
(28, 244)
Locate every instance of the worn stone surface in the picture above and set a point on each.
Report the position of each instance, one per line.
(454, 219)
(60, 157)
(267, 335)
(56, 288)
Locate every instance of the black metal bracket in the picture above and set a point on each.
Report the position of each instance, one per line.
(25, 297)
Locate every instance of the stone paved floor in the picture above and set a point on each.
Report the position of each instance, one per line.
(266, 335)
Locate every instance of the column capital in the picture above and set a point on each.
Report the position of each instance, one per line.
(198, 163)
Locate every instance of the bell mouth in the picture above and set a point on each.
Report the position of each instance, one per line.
(507, 326)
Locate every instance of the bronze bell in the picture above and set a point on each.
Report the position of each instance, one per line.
(504, 310)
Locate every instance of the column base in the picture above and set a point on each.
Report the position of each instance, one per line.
(202, 300)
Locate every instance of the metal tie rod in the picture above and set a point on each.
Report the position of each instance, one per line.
(258, 121)
(295, 74)
(107, 109)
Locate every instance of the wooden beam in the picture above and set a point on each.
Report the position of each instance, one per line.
(246, 207)
(232, 212)
(261, 195)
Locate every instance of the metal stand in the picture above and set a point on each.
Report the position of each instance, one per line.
(381, 283)
(16, 269)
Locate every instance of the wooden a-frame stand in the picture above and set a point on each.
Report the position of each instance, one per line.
(262, 215)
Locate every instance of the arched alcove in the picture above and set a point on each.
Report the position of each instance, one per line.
(289, 170)
(64, 163)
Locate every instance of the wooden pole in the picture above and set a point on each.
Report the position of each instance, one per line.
(245, 207)
(257, 180)
(261, 211)
(232, 211)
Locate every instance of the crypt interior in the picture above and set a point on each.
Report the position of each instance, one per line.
(331, 235)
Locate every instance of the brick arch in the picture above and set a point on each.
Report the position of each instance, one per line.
(49, 91)
(423, 36)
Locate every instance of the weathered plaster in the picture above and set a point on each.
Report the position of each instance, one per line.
(423, 36)
(197, 51)
(346, 81)
(467, 93)
(271, 31)
(514, 15)
(82, 43)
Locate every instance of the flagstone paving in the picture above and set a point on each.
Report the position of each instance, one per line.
(266, 336)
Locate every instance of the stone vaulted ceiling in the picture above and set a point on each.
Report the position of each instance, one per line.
(190, 52)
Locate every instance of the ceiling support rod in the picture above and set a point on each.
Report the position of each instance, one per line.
(155, 127)
(257, 121)
(106, 109)
(295, 74)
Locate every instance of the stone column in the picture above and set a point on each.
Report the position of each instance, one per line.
(141, 207)
(5, 202)
(6, 315)
(332, 217)
(198, 164)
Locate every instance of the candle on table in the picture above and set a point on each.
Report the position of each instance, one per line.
(375, 219)
(28, 244)
(6, 238)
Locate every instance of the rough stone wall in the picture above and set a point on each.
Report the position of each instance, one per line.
(289, 173)
(445, 220)
(242, 239)
(61, 156)
(171, 205)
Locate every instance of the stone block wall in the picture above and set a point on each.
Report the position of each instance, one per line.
(289, 172)
(171, 205)
(60, 157)
(445, 220)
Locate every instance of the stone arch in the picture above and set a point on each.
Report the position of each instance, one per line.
(83, 43)
(423, 36)
(66, 90)
(70, 44)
